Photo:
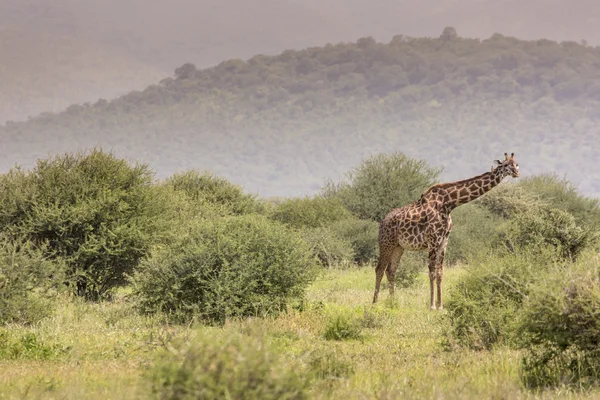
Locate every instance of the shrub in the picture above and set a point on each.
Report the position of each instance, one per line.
(227, 267)
(328, 248)
(483, 308)
(409, 268)
(96, 212)
(328, 363)
(362, 236)
(381, 183)
(217, 190)
(549, 227)
(475, 229)
(563, 195)
(560, 328)
(233, 367)
(310, 212)
(27, 282)
(28, 347)
(342, 327)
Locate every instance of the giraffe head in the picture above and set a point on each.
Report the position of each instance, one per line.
(509, 166)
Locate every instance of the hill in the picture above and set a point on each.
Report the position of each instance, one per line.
(108, 48)
(281, 125)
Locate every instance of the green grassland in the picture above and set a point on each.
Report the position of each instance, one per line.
(104, 350)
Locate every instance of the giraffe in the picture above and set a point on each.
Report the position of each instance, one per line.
(426, 225)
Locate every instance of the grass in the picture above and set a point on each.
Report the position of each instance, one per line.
(105, 349)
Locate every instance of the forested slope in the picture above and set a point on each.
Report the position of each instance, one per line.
(282, 124)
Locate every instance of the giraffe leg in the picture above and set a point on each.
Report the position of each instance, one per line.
(391, 270)
(432, 276)
(440, 274)
(382, 265)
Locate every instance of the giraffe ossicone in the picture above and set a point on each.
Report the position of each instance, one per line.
(426, 225)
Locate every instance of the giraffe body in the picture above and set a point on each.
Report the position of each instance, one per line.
(426, 225)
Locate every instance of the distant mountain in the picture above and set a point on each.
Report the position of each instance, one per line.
(281, 125)
(128, 41)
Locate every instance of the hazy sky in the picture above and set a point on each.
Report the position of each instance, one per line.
(54, 53)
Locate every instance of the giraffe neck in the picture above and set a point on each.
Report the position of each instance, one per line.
(468, 190)
(458, 193)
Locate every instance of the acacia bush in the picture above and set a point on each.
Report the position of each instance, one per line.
(475, 230)
(235, 366)
(328, 248)
(484, 306)
(207, 187)
(310, 212)
(228, 267)
(93, 211)
(550, 228)
(382, 182)
(362, 235)
(28, 280)
(560, 328)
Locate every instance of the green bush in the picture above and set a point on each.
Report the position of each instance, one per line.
(310, 212)
(409, 268)
(475, 230)
(217, 190)
(28, 347)
(328, 248)
(563, 195)
(27, 282)
(382, 182)
(95, 212)
(342, 327)
(226, 367)
(549, 228)
(508, 200)
(229, 267)
(483, 309)
(362, 236)
(560, 328)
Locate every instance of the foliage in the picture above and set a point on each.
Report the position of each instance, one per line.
(210, 188)
(550, 227)
(310, 212)
(28, 347)
(362, 236)
(328, 248)
(382, 182)
(28, 280)
(342, 327)
(228, 267)
(409, 268)
(564, 195)
(560, 328)
(91, 210)
(232, 366)
(484, 307)
(475, 230)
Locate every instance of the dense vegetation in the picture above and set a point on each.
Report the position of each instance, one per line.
(227, 294)
(282, 124)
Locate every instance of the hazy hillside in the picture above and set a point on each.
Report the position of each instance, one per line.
(281, 125)
(127, 41)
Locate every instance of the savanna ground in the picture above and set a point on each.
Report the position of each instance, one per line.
(396, 349)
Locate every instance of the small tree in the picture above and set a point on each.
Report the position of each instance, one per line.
(381, 183)
(95, 212)
(204, 186)
(227, 267)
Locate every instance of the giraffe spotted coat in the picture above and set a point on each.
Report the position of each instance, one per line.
(426, 225)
